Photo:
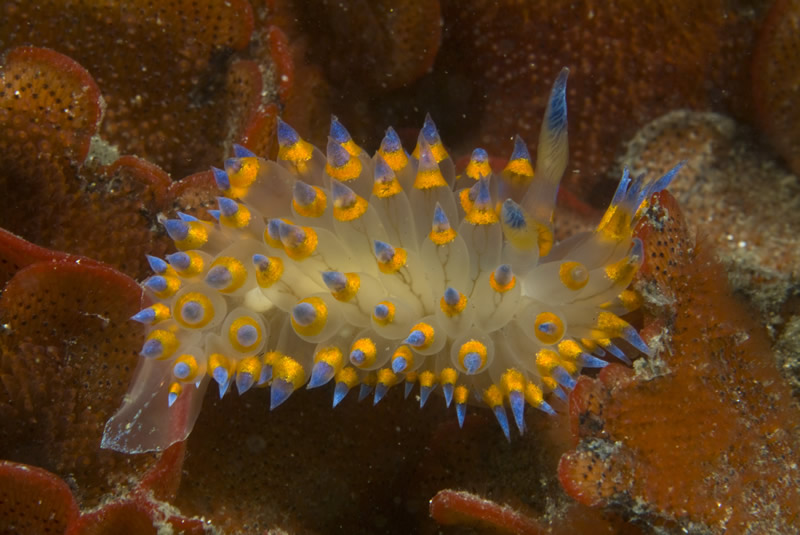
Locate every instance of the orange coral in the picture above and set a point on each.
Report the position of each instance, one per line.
(166, 101)
(703, 434)
(66, 353)
(57, 198)
(50, 111)
(49, 108)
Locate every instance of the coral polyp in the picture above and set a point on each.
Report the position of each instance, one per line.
(370, 272)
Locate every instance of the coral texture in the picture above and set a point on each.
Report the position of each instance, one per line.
(174, 111)
(722, 193)
(704, 434)
(34, 501)
(64, 351)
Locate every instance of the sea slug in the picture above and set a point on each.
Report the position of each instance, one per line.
(370, 272)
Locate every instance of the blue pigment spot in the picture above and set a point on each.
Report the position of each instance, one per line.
(247, 335)
(304, 314)
(303, 194)
(192, 312)
(219, 277)
(180, 261)
(381, 311)
(152, 349)
(177, 229)
(156, 284)
(472, 363)
(182, 370)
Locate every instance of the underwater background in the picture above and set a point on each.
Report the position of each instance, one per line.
(112, 114)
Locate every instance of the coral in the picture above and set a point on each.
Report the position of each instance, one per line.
(461, 508)
(62, 195)
(776, 82)
(49, 200)
(65, 349)
(16, 253)
(186, 100)
(34, 501)
(723, 195)
(704, 434)
(50, 109)
(168, 101)
(138, 517)
(451, 507)
(631, 62)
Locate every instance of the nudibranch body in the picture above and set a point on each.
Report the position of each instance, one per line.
(370, 272)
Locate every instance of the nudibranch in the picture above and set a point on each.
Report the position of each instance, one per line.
(363, 273)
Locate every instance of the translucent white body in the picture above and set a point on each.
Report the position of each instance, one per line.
(377, 271)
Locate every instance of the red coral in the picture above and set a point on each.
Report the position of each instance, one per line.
(66, 352)
(450, 507)
(460, 508)
(134, 517)
(16, 253)
(704, 433)
(34, 501)
(125, 517)
(161, 482)
(284, 63)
